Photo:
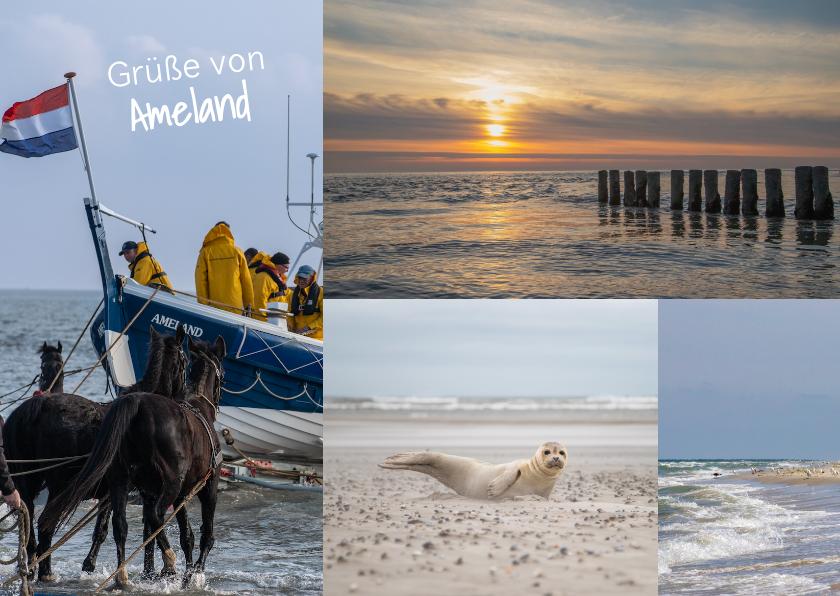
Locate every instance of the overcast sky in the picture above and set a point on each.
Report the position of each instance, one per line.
(612, 79)
(749, 379)
(180, 180)
(491, 348)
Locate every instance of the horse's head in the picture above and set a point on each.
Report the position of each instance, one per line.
(206, 371)
(51, 362)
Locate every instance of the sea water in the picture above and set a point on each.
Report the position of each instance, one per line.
(544, 235)
(724, 536)
(267, 541)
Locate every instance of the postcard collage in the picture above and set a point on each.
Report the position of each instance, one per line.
(527, 220)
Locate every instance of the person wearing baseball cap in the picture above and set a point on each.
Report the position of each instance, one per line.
(306, 304)
(270, 282)
(144, 268)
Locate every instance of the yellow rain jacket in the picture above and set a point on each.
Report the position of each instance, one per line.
(266, 288)
(145, 269)
(255, 262)
(308, 311)
(221, 273)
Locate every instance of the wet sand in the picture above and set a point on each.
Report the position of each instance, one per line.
(393, 531)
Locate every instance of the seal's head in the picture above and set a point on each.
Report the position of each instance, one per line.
(551, 457)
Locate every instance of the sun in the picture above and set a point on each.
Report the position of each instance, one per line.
(495, 130)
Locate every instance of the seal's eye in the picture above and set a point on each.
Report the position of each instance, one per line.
(547, 452)
(562, 453)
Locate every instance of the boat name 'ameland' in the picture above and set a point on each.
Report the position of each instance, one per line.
(171, 323)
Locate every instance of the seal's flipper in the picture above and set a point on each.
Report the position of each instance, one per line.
(504, 481)
(409, 460)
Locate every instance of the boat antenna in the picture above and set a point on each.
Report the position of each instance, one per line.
(288, 134)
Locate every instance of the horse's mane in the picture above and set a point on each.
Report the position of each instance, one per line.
(161, 375)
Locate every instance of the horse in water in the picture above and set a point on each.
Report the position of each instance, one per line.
(51, 368)
(55, 425)
(164, 448)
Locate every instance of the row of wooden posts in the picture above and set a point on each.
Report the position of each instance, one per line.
(641, 189)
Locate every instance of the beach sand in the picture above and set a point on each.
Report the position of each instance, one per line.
(791, 477)
(399, 532)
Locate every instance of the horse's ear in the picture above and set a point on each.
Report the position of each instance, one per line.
(59, 347)
(152, 332)
(219, 348)
(44, 347)
(191, 344)
(180, 334)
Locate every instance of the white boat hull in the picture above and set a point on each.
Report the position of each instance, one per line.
(275, 434)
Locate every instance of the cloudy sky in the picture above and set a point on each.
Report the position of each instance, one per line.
(180, 180)
(528, 84)
(749, 379)
(492, 348)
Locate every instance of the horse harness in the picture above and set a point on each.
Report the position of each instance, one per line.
(217, 455)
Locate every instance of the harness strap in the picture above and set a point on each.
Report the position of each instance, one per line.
(217, 455)
(157, 275)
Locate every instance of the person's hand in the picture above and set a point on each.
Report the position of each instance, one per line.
(13, 500)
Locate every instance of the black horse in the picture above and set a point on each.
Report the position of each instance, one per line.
(55, 425)
(51, 368)
(163, 448)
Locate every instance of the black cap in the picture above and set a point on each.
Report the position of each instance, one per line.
(127, 246)
(280, 259)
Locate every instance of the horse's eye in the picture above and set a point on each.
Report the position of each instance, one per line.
(547, 452)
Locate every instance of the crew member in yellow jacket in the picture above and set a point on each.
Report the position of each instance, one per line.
(144, 268)
(221, 273)
(306, 304)
(270, 282)
(256, 261)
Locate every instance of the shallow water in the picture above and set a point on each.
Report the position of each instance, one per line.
(740, 537)
(267, 541)
(500, 235)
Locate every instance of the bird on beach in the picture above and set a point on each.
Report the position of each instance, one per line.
(808, 472)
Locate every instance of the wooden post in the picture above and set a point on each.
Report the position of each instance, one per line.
(732, 193)
(804, 180)
(775, 204)
(615, 187)
(823, 203)
(710, 181)
(695, 188)
(602, 186)
(641, 188)
(677, 179)
(654, 190)
(749, 185)
(629, 189)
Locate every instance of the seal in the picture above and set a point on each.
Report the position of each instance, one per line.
(479, 480)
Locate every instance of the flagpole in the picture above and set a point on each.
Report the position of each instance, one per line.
(94, 202)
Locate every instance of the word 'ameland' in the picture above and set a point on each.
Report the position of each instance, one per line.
(208, 110)
(171, 323)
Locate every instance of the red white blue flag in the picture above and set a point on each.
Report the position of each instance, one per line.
(40, 126)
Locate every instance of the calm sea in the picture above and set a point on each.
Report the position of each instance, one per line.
(544, 235)
(720, 536)
(267, 541)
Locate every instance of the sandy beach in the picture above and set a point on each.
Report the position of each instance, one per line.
(791, 477)
(401, 532)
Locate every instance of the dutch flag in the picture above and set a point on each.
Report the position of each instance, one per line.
(40, 126)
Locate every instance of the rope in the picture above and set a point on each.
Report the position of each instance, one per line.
(101, 358)
(66, 360)
(38, 461)
(48, 467)
(22, 559)
(260, 381)
(35, 380)
(242, 310)
(193, 492)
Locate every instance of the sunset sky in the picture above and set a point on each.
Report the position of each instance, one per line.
(581, 84)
